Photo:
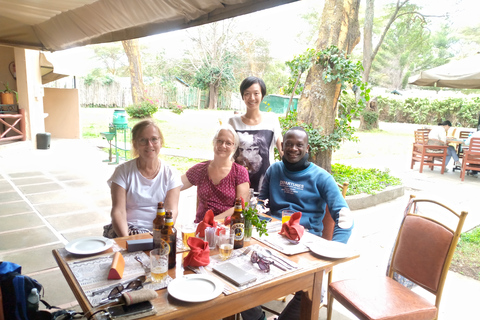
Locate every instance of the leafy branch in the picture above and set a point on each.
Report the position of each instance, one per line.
(251, 214)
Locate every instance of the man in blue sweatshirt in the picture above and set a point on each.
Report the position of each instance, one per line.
(296, 184)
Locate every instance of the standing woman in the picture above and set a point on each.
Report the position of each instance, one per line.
(221, 180)
(138, 185)
(259, 132)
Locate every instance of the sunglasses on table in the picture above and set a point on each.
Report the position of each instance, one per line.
(263, 263)
(118, 290)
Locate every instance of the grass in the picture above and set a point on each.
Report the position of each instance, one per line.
(466, 259)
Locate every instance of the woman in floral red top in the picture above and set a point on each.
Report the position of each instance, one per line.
(220, 180)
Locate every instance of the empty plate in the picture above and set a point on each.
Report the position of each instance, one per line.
(195, 288)
(330, 249)
(89, 245)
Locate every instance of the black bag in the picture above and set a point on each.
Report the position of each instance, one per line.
(15, 290)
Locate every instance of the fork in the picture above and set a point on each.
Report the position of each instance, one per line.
(246, 251)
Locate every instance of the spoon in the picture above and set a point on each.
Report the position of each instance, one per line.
(272, 256)
(145, 267)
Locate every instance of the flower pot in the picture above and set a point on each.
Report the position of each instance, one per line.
(7, 98)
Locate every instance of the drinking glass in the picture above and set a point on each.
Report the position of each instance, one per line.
(286, 215)
(159, 262)
(225, 245)
(188, 230)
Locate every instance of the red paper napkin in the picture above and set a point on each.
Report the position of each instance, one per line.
(199, 254)
(292, 228)
(208, 221)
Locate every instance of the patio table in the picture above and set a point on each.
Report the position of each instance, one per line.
(308, 279)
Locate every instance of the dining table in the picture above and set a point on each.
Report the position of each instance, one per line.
(307, 278)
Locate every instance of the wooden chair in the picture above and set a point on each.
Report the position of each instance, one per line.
(427, 154)
(462, 135)
(423, 251)
(471, 157)
(328, 228)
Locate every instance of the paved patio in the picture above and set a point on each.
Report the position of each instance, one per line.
(49, 197)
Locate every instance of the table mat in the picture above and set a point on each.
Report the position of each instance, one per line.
(244, 263)
(92, 275)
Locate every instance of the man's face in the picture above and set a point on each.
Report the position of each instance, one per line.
(295, 145)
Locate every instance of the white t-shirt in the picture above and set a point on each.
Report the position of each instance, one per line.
(438, 133)
(143, 195)
(256, 145)
(474, 135)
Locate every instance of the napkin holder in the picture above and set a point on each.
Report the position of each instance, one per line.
(140, 245)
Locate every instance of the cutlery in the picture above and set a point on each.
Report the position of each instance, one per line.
(246, 251)
(271, 261)
(145, 267)
(280, 259)
(276, 246)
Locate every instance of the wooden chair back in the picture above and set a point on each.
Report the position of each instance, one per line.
(328, 223)
(422, 253)
(426, 264)
(471, 157)
(464, 134)
(427, 155)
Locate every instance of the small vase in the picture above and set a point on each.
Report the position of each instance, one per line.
(248, 230)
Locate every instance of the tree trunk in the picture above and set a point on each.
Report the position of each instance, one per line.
(370, 122)
(318, 103)
(367, 40)
(132, 50)
(212, 96)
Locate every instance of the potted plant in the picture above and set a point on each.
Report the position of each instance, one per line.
(6, 96)
(252, 220)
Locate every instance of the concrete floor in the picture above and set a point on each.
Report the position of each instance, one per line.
(50, 197)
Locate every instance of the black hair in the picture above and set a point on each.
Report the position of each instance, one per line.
(249, 81)
(296, 129)
(445, 123)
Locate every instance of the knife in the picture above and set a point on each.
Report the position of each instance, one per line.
(276, 246)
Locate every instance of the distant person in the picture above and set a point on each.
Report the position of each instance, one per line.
(138, 185)
(219, 181)
(259, 132)
(438, 137)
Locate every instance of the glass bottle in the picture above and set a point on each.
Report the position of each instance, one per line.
(158, 224)
(252, 202)
(237, 225)
(169, 235)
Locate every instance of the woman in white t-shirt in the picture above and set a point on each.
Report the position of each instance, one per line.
(138, 185)
(259, 132)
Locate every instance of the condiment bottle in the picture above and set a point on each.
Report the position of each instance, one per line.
(169, 235)
(33, 300)
(237, 225)
(158, 224)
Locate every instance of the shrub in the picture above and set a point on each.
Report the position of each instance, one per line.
(176, 107)
(143, 110)
(363, 180)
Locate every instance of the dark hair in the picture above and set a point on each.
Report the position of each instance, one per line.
(445, 123)
(249, 81)
(295, 129)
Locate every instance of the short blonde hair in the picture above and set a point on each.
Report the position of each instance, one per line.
(236, 140)
(138, 129)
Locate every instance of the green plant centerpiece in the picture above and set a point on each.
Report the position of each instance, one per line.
(252, 220)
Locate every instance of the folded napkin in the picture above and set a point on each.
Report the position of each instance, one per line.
(208, 221)
(199, 255)
(292, 228)
(133, 297)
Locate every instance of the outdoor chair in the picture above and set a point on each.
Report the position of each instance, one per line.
(427, 155)
(471, 157)
(422, 254)
(463, 136)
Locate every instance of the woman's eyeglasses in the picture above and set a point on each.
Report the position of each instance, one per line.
(144, 141)
(263, 263)
(118, 290)
(228, 144)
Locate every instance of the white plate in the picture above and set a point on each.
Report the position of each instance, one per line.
(89, 245)
(330, 249)
(195, 288)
